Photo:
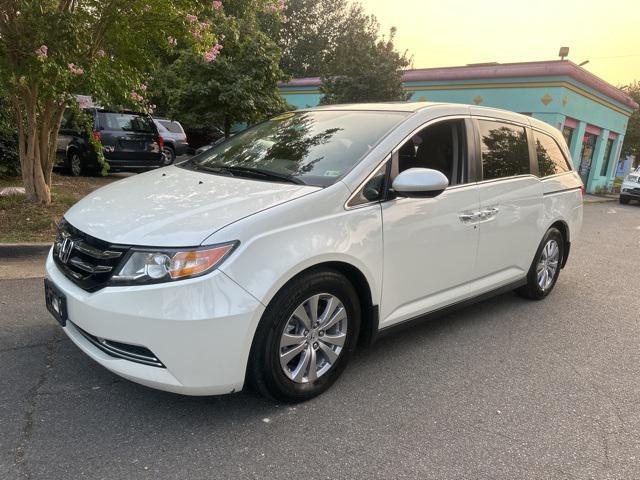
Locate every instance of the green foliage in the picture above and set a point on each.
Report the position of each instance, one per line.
(100, 48)
(9, 160)
(239, 86)
(311, 35)
(631, 145)
(51, 50)
(339, 42)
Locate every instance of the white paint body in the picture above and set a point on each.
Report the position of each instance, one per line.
(415, 253)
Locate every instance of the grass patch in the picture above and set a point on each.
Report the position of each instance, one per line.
(23, 222)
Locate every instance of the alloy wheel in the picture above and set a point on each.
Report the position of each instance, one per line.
(313, 338)
(548, 264)
(167, 156)
(76, 165)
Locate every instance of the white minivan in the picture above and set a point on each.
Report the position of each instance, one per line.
(268, 258)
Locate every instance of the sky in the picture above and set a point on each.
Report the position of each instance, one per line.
(442, 33)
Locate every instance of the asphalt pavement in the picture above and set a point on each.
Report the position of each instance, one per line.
(505, 389)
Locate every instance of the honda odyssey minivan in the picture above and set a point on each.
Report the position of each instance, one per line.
(267, 259)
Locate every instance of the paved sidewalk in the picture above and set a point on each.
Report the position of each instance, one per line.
(589, 198)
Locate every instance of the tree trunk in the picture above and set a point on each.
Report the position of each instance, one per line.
(37, 137)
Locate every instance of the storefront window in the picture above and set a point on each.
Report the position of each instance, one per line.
(588, 146)
(607, 158)
(567, 132)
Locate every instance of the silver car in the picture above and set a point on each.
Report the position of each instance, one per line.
(175, 140)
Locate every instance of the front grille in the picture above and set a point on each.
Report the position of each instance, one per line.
(133, 353)
(87, 261)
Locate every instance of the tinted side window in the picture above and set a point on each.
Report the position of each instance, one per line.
(441, 147)
(173, 127)
(505, 152)
(551, 160)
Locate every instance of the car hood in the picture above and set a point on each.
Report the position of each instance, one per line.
(174, 207)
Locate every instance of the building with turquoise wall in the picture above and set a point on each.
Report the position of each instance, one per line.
(591, 113)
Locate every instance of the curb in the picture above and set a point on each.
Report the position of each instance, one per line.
(24, 250)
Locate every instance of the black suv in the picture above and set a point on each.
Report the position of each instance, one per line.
(130, 142)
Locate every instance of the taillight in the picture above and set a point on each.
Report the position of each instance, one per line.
(97, 136)
(582, 190)
(161, 142)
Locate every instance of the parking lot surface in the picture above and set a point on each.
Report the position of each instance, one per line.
(504, 389)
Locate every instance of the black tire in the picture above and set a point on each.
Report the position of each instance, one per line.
(76, 166)
(169, 156)
(265, 371)
(624, 200)
(532, 289)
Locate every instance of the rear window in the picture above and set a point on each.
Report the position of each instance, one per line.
(551, 160)
(126, 122)
(505, 151)
(173, 127)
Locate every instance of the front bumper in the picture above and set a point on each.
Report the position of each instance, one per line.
(630, 190)
(201, 330)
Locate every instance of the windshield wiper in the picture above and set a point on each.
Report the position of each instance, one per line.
(257, 172)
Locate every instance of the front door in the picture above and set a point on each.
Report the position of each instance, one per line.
(430, 243)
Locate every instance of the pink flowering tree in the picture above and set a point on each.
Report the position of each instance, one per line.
(51, 51)
(235, 79)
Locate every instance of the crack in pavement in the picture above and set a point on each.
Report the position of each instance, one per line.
(27, 430)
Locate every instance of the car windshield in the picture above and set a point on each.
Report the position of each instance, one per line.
(312, 148)
(127, 122)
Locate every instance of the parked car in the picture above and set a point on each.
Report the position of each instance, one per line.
(630, 188)
(287, 245)
(175, 140)
(130, 142)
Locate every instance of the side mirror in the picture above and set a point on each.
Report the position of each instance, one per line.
(420, 182)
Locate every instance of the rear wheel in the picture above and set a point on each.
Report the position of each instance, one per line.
(168, 156)
(545, 268)
(305, 337)
(76, 164)
(624, 200)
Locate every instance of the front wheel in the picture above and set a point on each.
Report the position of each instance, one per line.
(545, 268)
(624, 201)
(305, 337)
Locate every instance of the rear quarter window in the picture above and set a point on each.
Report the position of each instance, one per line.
(173, 127)
(551, 160)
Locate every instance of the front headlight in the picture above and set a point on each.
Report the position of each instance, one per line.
(144, 266)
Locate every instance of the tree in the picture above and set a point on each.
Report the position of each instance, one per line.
(8, 141)
(339, 42)
(311, 34)
(631, 145)
(365, 69)
(53, 49)
(241, 86)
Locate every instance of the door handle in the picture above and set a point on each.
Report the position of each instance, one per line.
(467, 217)
(489, 212)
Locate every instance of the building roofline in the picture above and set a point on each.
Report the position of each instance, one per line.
(500, 70)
